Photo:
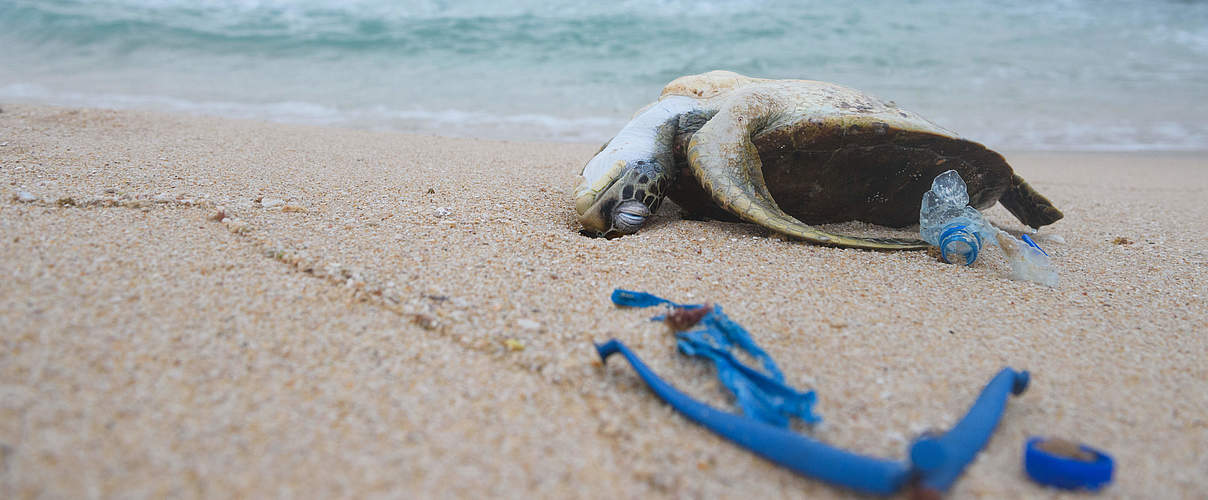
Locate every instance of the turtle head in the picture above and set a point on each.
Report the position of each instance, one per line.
(629, 195)
(626, 181)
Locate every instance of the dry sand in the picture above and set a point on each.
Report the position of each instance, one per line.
(413, 316)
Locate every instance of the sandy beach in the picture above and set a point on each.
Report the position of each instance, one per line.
(391, 315)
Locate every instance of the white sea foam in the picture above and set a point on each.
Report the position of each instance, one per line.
(446, 122)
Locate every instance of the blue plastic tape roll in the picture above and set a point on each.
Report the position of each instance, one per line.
(1051, 469)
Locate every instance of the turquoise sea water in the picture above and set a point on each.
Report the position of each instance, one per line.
(1075, 74)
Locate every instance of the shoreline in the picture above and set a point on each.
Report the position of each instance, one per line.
(421, 323)
(423, 127)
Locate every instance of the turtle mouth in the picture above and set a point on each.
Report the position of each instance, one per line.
(629, 216)
(599, 219)
(622, 219)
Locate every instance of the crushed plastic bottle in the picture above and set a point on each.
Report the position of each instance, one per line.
(947, 221)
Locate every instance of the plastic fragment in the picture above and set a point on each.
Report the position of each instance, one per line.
(1028, 262)
(777, 444)
(1081, 468)
(1032, 243)
(761, 395)
(727, 333)
(941, 459)
(723, 329)
(628, 298)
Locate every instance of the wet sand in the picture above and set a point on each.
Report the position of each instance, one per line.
(392, 315)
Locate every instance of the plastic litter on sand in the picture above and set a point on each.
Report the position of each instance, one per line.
(935, 461)
(947, 221)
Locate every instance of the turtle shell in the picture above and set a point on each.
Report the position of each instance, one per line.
(875, 174)
(822, 170)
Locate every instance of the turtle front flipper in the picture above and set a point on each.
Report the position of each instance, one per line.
(1027, 205)
(726, 162)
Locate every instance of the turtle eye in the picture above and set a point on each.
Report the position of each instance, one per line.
(629, 217)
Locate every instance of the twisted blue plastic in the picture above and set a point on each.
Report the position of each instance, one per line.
(760, 395)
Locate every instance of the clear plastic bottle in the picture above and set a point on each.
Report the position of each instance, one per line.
(947, 221)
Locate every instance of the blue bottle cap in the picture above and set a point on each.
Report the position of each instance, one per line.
(960, 233)
(1090, 471)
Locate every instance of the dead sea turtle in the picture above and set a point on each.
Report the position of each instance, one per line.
(785, 154)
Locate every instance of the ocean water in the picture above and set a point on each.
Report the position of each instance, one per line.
(1053, 75)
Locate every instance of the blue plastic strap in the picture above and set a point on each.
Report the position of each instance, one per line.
(779, 445)
(941, 459)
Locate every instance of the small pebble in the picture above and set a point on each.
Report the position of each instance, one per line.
(514, 345)
(528, 324)
(219, 214)
(236, 226)
(271, 202)
(425, 321)
(25, 197)
(293, 208)
(443, 212)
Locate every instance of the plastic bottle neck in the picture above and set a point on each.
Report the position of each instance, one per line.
(957, 239)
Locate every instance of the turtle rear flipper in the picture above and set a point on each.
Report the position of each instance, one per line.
(1027, 205)
(726, 162)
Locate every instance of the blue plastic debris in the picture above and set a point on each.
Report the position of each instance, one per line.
(1032, 243)
(780, 445)
(719, 326)
(1091, 471)
(940, 459)
(629, 298)
(726, 333)
(761, 395)
(935, 460)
